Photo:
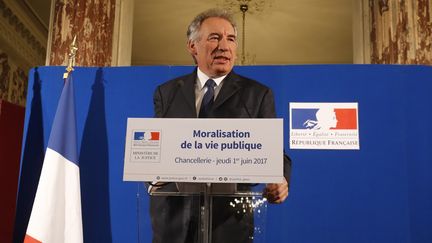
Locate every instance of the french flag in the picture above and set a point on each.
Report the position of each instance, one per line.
(56, 214)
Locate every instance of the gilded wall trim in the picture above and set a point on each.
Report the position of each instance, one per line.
(22, 46)
(16, 33)
(13, 81)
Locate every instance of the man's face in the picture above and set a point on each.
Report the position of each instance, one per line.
(215, 48)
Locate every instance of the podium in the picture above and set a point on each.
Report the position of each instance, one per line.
(241, 206)
(204, 182)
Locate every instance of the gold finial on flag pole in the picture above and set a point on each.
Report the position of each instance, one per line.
(71, 59)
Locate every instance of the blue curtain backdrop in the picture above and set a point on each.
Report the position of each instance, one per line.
(380, 193)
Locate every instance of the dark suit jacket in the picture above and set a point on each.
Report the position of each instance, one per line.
(175, 219)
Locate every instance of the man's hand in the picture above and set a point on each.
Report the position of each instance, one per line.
(276, 193)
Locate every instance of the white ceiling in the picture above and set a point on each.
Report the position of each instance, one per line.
(287, 32)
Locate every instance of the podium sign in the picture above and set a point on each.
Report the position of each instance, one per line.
(204, 150)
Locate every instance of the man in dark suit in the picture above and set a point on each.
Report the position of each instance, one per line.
(213, 90)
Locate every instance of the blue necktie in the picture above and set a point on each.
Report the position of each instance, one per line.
(208, 98)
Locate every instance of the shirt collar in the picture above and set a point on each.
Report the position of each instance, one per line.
(202, 78)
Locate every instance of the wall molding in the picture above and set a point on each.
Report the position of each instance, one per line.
(24, 43)
(122, 34)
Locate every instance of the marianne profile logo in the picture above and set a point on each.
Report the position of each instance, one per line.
(146, 138)
(324, 118)
(146, 146)
(324, 126)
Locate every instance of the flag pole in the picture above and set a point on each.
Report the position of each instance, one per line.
(71, 59)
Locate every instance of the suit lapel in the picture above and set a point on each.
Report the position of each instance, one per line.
(188, 90)
(231, 85)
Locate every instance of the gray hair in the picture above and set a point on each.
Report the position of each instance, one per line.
(195, 25)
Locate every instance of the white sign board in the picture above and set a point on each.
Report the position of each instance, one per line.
(204, 150)
(324, 126)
